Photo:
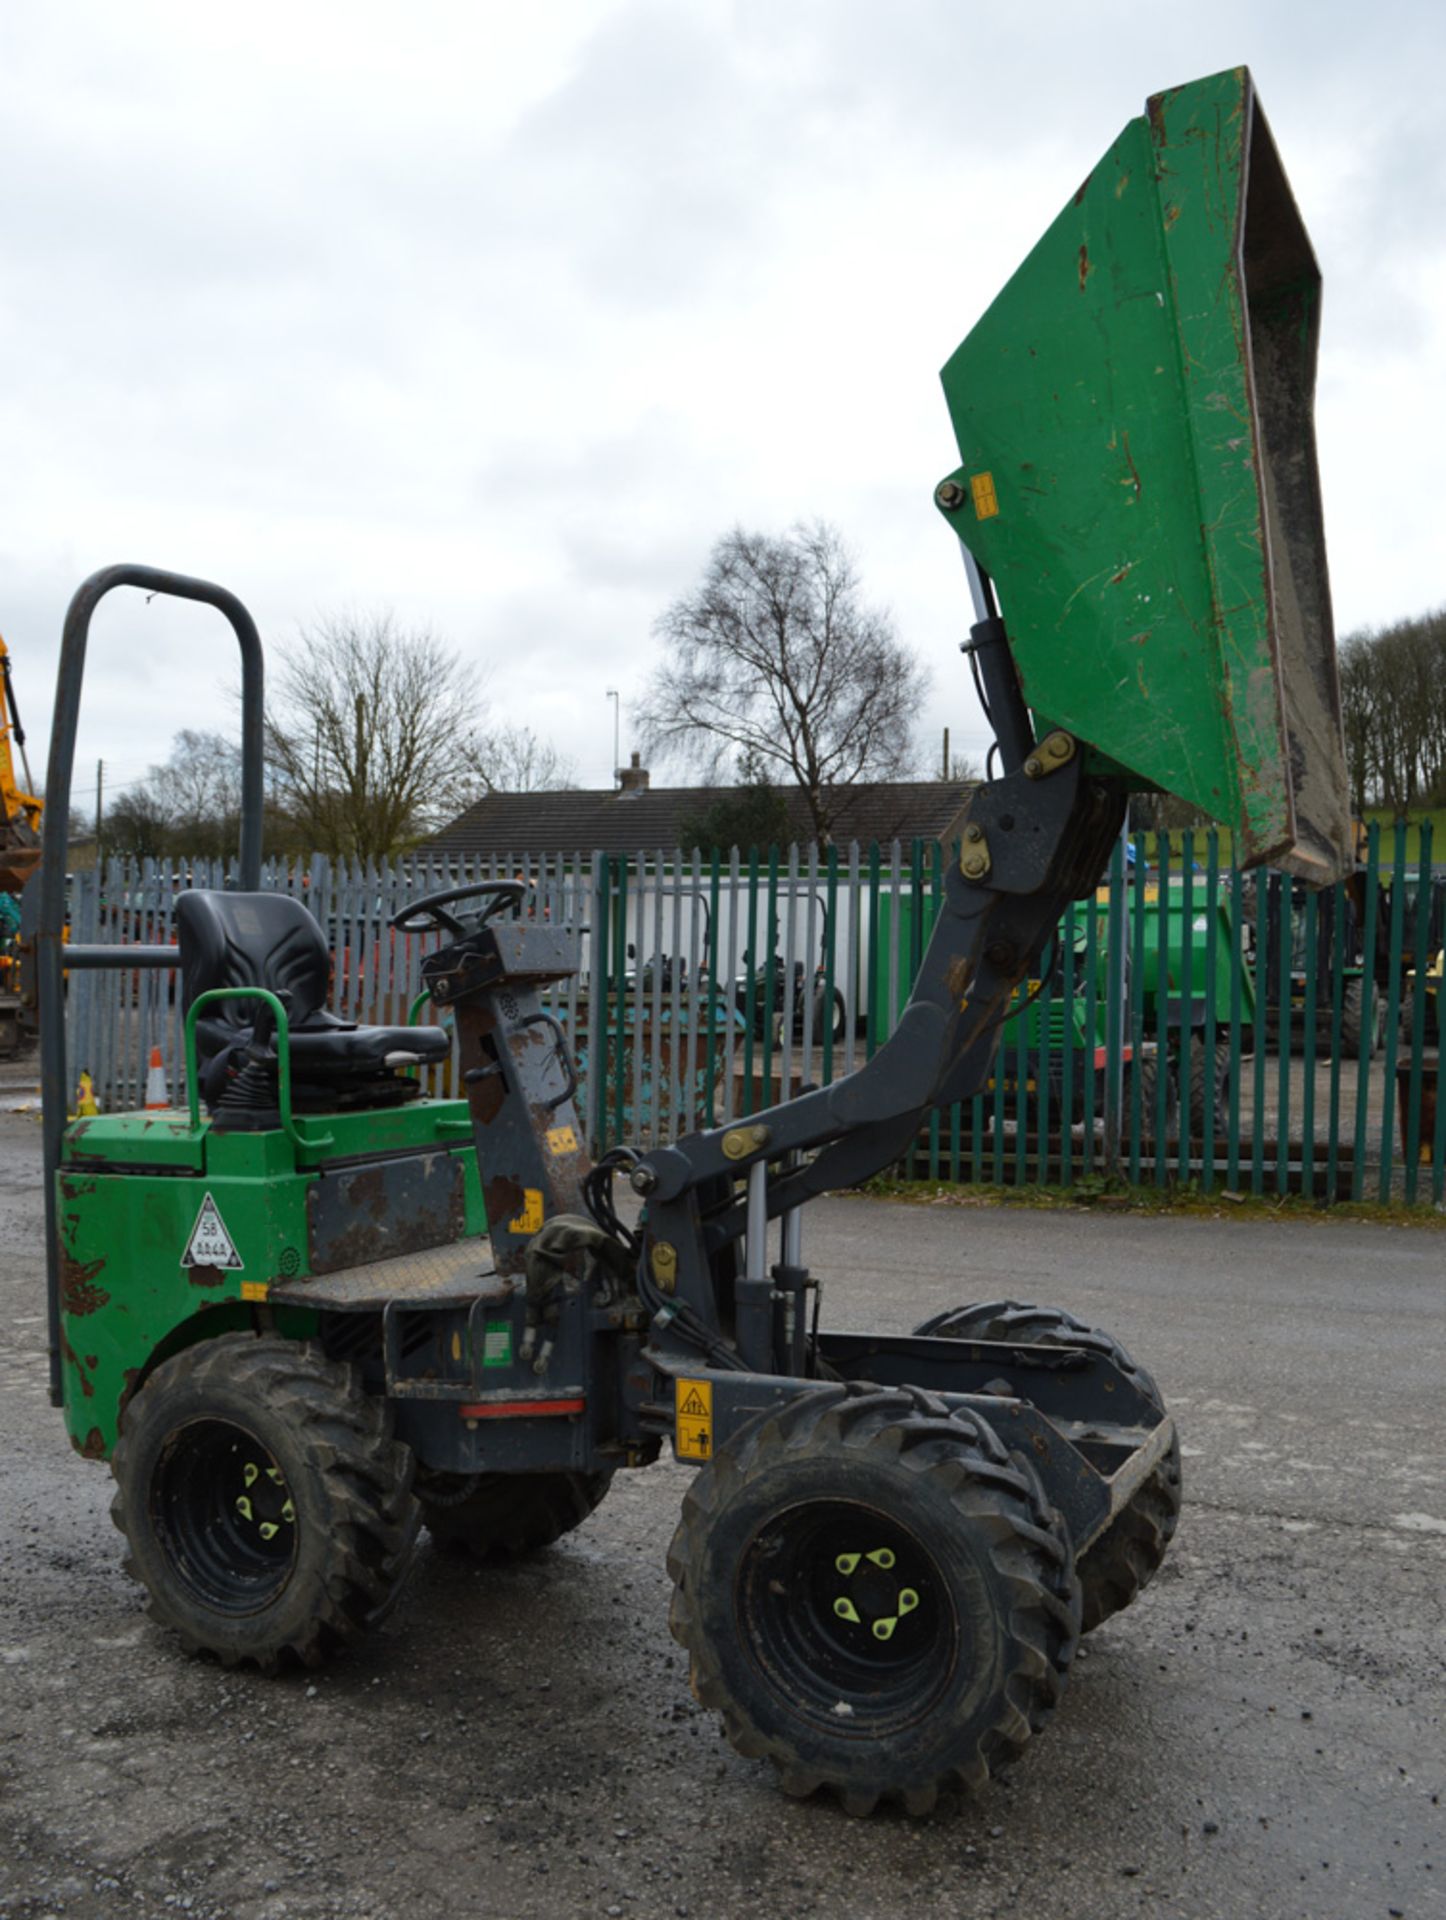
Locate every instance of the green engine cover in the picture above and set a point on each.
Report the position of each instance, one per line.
(171, 1233)
(1134, 414)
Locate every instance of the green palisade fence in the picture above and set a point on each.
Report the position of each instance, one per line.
(1189, 1023)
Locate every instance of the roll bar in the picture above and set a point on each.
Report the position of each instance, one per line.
(52, 955)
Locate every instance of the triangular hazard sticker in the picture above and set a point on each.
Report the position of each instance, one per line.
(693, 1408)
(210, 1245)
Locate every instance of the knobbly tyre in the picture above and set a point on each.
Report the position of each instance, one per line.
(275, 1312)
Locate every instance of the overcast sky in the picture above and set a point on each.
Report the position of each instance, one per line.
(498, 315)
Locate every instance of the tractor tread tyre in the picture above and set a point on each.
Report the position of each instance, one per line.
(829, 1017)
(1360, 1019)
(506, 1515)
(1117, 1566)
(1219, 1067)
(1131, 1550)
(348, 1484)
(997, 1592)
(1145, 1071)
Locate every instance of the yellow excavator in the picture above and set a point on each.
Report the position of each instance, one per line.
(20, 812)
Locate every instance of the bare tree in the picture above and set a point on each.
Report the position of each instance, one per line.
(516, 761)
(137, 824)
(776, 659)
(1393, 704)
(188, 805)
(372, 738)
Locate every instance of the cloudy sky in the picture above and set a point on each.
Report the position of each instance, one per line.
(497, 315)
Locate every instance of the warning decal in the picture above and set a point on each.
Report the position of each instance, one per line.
(694, 1413)
(531, 1216)
(210, 1245)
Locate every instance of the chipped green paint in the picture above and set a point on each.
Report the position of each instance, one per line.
(1140, 395)
(129, 1190)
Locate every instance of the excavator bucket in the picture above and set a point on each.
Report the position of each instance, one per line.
(1134, 415)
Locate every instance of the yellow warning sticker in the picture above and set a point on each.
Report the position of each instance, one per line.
(694, 1411)
(254, 1289)
(986, 500)
(561, 1140)
(530, 1218)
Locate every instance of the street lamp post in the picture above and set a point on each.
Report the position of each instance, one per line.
(617, 733)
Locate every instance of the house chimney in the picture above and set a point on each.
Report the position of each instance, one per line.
(633, 779)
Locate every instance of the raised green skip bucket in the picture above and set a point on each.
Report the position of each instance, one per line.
(1139, 478)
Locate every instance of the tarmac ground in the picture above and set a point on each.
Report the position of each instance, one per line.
(1260, 1735)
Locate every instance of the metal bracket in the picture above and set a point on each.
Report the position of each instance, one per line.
(974, 860)
(1054, 751)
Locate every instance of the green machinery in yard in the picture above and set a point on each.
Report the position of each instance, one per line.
(277, 1312)
(1167, 956)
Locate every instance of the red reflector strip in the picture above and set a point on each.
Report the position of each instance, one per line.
(516, 1409)
(1102, 1054)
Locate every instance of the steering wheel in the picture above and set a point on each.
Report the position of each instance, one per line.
(431, 916)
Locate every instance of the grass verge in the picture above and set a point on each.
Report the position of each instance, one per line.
(1117, 1196)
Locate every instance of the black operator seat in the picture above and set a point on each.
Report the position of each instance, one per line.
(272, 940)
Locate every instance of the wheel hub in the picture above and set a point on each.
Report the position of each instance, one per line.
(845, 1615)
(872, 1597)
(225, 1515)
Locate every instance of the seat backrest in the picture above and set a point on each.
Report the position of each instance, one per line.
(251, 940)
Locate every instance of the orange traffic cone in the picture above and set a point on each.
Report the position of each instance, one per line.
(156, 1098)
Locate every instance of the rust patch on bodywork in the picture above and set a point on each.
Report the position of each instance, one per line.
(206, 1276)
(961, 972)
(406, 1205)
(92, 1447)
(79, 1294)
(73, 1359)
(368, 1192)
(504, 1199)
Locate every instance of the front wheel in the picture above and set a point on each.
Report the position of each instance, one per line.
(875, 1595)
(268, 1510)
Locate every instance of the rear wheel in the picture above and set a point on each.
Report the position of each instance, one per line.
(506, 1515)
(1129, 1553)
(875, 1595)
(268, 1509)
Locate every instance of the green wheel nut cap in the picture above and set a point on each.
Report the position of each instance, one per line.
(884, 1629)
(846, 1562)
(882, 1557)
(908, 1600)
(846, 1610)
